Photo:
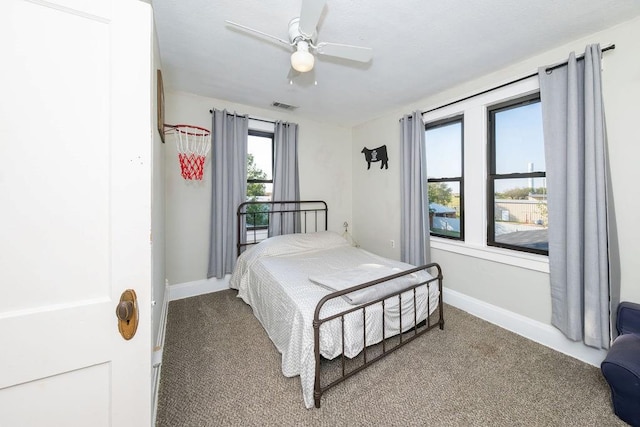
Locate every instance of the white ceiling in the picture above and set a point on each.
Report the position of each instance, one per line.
(420, 47)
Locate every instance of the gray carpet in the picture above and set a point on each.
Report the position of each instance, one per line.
(220, 368)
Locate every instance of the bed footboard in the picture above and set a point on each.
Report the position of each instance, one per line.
(404, 336)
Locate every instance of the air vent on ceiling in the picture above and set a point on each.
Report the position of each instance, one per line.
(283, 105)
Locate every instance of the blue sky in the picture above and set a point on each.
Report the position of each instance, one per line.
(519, 143)
(260, 147)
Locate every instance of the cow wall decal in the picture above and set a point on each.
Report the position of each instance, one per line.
(376, 155)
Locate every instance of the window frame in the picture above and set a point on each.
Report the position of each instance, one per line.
(263, 134)
(434, 124)
(271, 136)
(492, 176)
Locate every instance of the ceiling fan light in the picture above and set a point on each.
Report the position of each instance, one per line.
(302, 60)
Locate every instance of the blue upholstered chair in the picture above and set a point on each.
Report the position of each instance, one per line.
(621, 367)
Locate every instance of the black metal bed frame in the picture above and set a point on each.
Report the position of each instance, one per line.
(318, 208)
(405, 337)
(300, 210)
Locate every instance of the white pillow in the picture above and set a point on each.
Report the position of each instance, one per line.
(285, 245)
(296, 243)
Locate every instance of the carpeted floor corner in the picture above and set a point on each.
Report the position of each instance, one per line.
(219, 368)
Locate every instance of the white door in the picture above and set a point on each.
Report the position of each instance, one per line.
(75, 135)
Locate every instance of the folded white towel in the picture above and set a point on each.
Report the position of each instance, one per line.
(348, 278)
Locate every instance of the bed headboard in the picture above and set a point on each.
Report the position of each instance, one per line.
(257, 219)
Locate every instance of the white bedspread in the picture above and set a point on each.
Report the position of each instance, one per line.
(273, 278)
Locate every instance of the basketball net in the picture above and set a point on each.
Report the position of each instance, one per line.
(193, 143)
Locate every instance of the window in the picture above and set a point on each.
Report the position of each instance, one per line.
(259, 178)
(484, 146)
(444, 147)
(496, 146)
(516, 185)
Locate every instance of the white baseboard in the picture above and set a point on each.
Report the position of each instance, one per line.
(198, 287)
(157, 351)
(536, 331)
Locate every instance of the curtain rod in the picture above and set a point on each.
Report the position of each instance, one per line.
(550, 68)
(253, 118)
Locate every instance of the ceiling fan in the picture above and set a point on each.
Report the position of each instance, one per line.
(303, 36)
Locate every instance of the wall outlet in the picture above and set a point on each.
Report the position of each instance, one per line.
(393, 243)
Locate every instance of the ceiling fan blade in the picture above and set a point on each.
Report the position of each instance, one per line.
(310, 15)
(245, 28)
(354, 53)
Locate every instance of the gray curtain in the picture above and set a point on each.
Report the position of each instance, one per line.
(414, 208)
(575, 155)
(286, 184)
(229, 188)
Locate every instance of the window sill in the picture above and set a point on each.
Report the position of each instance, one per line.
(503, 256)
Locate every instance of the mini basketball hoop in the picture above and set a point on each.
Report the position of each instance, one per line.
(193, 144)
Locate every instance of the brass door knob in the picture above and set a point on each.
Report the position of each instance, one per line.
(124, 310)
(127, 314)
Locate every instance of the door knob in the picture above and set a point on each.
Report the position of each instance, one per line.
(124, 310)
(127, 314)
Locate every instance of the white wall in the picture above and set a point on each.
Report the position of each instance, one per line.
(376, 192)
(324, 166)
(157, 205)
(523, 291)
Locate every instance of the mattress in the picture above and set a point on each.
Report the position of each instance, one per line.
(273, 278)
